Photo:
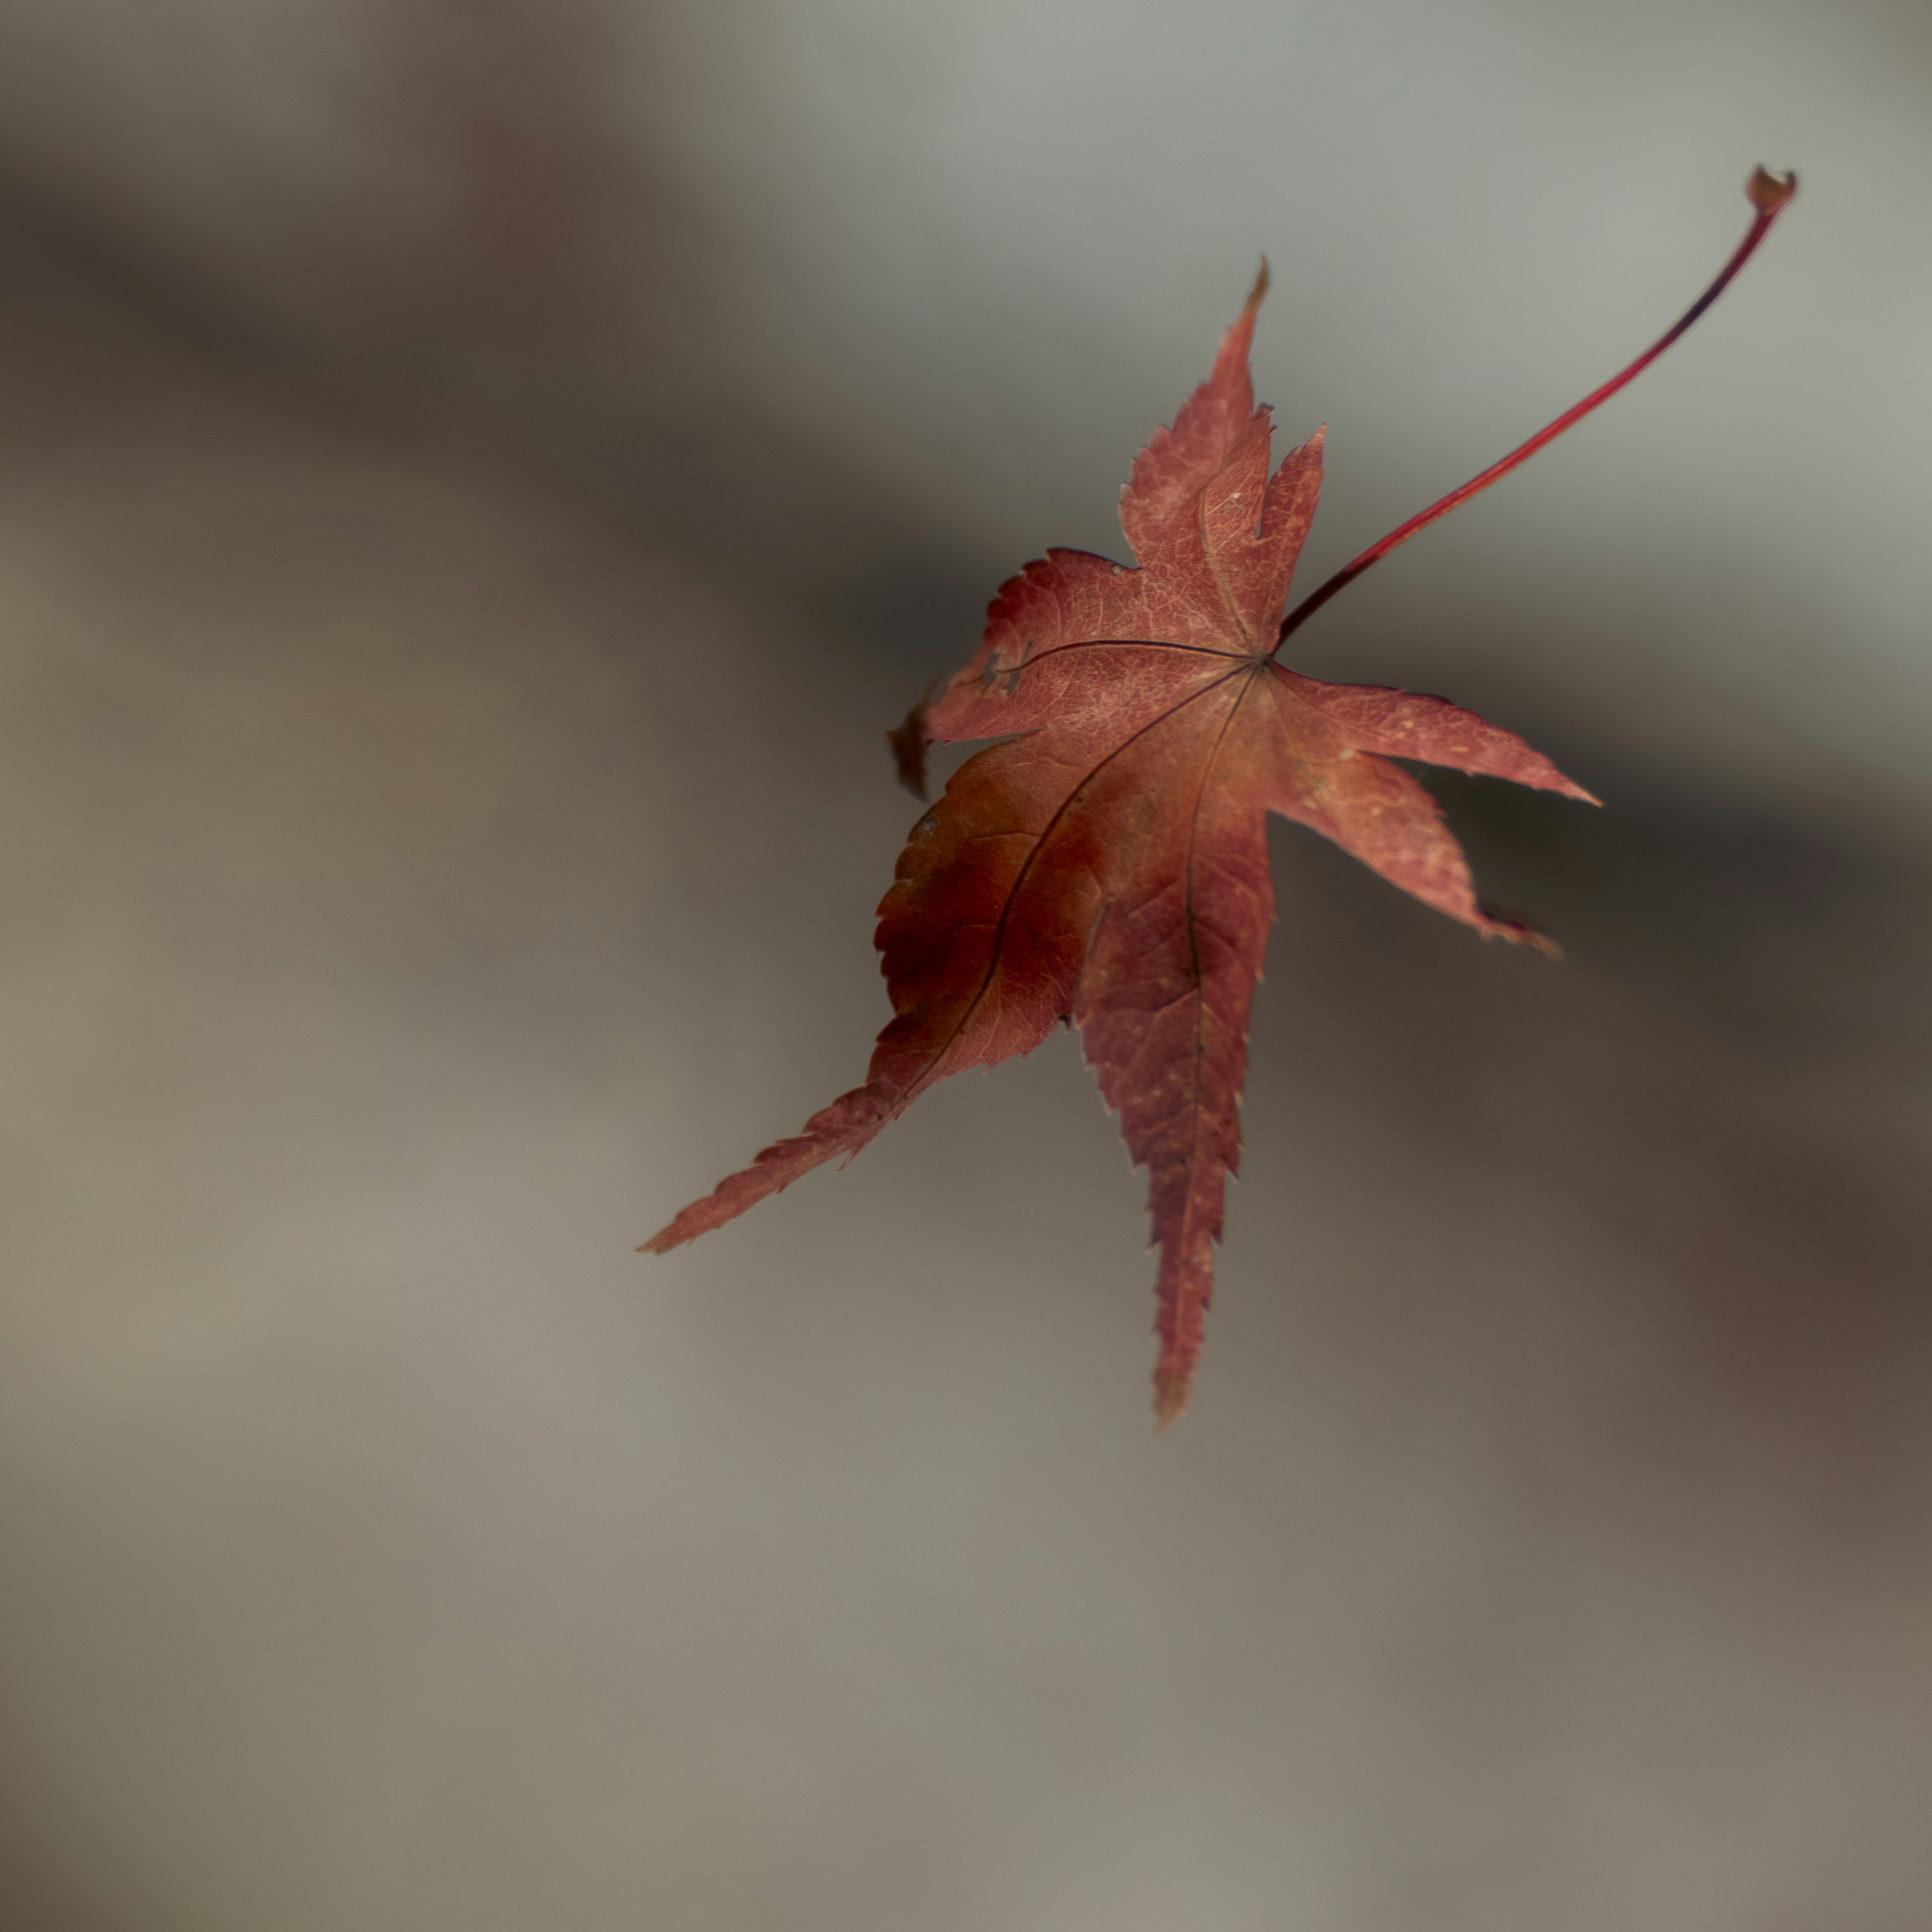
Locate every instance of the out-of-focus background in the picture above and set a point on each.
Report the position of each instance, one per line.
(476, 480)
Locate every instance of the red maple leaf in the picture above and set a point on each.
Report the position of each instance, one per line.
(1105, 865)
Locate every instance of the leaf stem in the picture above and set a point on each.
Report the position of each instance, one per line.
(1768, 193)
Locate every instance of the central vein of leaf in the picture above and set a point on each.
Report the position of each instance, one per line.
(929, 1071)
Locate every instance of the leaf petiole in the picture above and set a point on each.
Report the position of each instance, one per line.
(1769, 194)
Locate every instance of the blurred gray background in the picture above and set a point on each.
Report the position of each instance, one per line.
(476, 480)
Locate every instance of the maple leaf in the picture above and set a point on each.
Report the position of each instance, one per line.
(1105, 866)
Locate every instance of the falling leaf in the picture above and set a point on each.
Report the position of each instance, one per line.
(1105, 864)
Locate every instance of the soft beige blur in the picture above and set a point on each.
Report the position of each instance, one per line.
(474, 485)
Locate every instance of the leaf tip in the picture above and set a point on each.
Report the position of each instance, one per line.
(1498, 924)
(1767, 192)
(907, 740)
(1257, 294)
(1171, 1389)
